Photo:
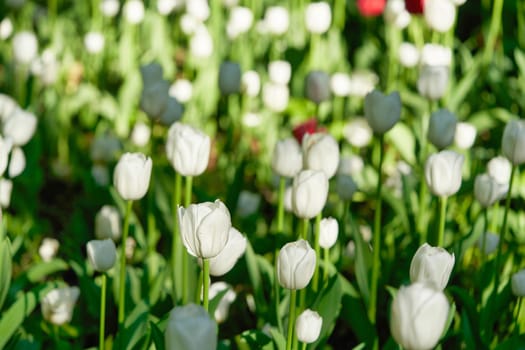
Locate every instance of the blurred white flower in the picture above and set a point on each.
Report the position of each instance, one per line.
(7, 106)
(251, 119)
(436, 55)
(321, 152)
(20, 126)
(362, 82)
(46, 67)
(17, 162)
(201, 43)
(199, 9)
(439, 14)
(488, 191)
(340, 84)
(276, 20)
(48, 249)
(165, 7)
(109, 8)
(491, 243)
(190, 327)
(182, 90)
(465, 135)
(357, 132)
(288, 205)
(140, 134)
(318, 17)
(25, 47)
(223, 309)
(396, 14)
(133, 11)
(239, 22)
(189, 24)
(58, 304)
(275, 96)
(102, 254)
(108, 223)
(230, 3)
(500, 168)
(513, 141)
(5, 148)
(350, 165)
(94, 42)
(280, 72)
(408, 55)
(251, 83)
(317, 86)
(6, 28)
(328, 232)
(287, 158)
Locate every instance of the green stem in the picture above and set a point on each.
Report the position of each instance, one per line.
(280, 204)
(291, 319)
(376, 238)
(303, 346)
(423, 190)
(304, 232)
(495, 25)
(317, 248)
(502, 233)
(280, 226)
(205, 282)
(484, 237)
(122, 281)
(151, 222)
(442, 220)
(187, 202)
(176, 244)
(326, 257)
(102, 312)
(517, 317)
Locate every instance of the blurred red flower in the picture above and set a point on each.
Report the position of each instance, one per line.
(415, 6)
(308, 127)
(369, 8)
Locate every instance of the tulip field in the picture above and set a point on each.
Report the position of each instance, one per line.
(240, 174)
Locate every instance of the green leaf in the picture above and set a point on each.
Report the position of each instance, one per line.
(254, 339)
(214, 303)
(403, 140)
(363, 259)
(5, 269)
(328, 305)
(135, 327)
(41, 270)
(255, 276)
(278, 338)
(157, 336)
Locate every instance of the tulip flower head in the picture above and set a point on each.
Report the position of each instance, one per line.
(318, 17)
(488, 191)
(317, 86)
(277, 20)
(188, 149)
(190, 327)
(275, 96)
(287, 158)
(309, 193)
(25, 47)
(102, 254)
(513, 141)
(132, 175)
(500, 169)
(228, 256)
(465, 135)
(382, 111)
(295, 265)
(328, 232)
(321, 152)
(58, 304)
(443, 172)
(107, 223)
(280, 72)
(440, 15)
(340, 84)
(408, 55)
(431, 265)
(48, 249)
(308, 326)
(442, 128)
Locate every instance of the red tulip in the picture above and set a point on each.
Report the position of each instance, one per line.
(308, 127)
(370, 8)
(415, 6)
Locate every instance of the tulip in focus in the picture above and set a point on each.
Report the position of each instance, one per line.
(318, 17)
(48, 249)
(308, 326)
(287, 158)
(443, 173)
(328, 232)
(518, 283)
(418, 317)
(309, 193)
(382, 111)
(442, 128)
(321, 152)
(295, 265)
(513, 141)
(432, 266)
(190, 327)
(102, 254)
(131, 176)
(107, 223)
(58, 304)
(188, 149)
(228, 256)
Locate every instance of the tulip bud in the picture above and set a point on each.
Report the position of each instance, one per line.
(57, 305)
(94, 42)
(275, 97)
(340, 84)
(48, 249)
(190, 327)
(308, 326)
(518, 283)
(317, 86)
(431, 265)
(328, 231)
(25, 47)
(513, 141)
(321, 152)
(280, 72)
(443, 173)
(465, 135)
(102, 254)
(109, 8)
(5, 149)
(287, 158)
(140, 134)
(165, 7)
(230, 78)
(132, 175)
(442, 128)
(205, 228)
(223, 309)
(182, 90)
(228, 256)
(240, 21)
(318, 17)
(500, 169)
(295, 265)
(382, 112)
(251, 83)
(201, 43)
(309, 193)
(6, 187)
(419, 315)
(491, 243)
(345, 187)
(17, 163)
(408, 55)
(277, 19)
(488, 191)
(440, 15)
(133, 11)
(107, 223)
(188, 149)
(20, 127)
(358, 132)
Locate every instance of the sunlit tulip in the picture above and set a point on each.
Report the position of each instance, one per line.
(518, 283)
(190, 327)
(382, 111)
(17, 162)
(277, 19)
(318, 17)
(295, 265)
(187, 149)
(431, 265)
(132, 175)
(308, 326)
(443, 172)
(513, 141)
(189, 24)
(140, 135)
(20, 126)
(317, 87)
(321, 152)
(488, 191)
(133, 11)
(251, 120)
(228, 256)
(465, 135)
(25, 47)
(230, 78)
(275, 96)
(109, 8)
(287, 159)
(345, 186)
(223, 309)
(408, 55)
(199, 9)
(251, 83)
(328, 232)
(362, 82)
(239, 22)
(358, 132)
(48, 249)
(6, 188)
(500, 168)
(102, 254)
(340, 84)
(205, 228)
(94, 42)
(419, 315)
(440, 15)
(201, 43)
(6, 28)
(442, 128)
(108, 223)
(58, 304)
(491, 243)
(182, 90)
(309, 193)
(280, 72)
(5, 148)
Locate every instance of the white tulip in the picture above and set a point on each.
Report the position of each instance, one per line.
(358, 132)
(102, 254)
(491, 243)
(7, 106)
(25, 47)
(189, 24)
(442, 128)
(443, 173)
(5, 148)
(408, 55)
(350, 165)
(17, 163)
(518, 283)
(419, 315)
(20, 126)
(295, 265)
(277, 20)
(109, 8)
(228, 256)
(199, 9)
(275, 97)
(488, 191)
(500, 169)
(321, 152)
(382, 111)
(6, 28)
(182, 90)
(108, 223)
(132, 175)
(223, 309)
(308, 326)
(251, 120)
(190, 327)
(440, 15)
(396, 14)
(58, 304)
(328, 232)
(431, 265)
(46, 67)
(513, 141)
(251, 83)
(188, 149)
(140, 134)
(239, 22)
(433, 81)
(94, 42)
(280, 72)
(205, 228)
(362, 82)
(465, 135)
(6, 187)
(309, 193)
(436, 55)
(165, 7)
(48, 249)
(133, 11)
(340, 84)
(201, 43)
(318, 17)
